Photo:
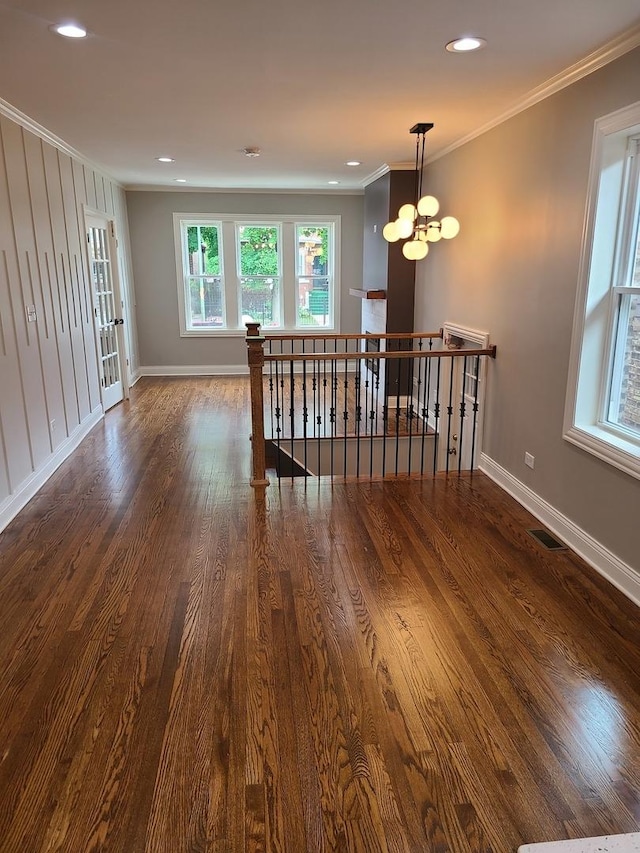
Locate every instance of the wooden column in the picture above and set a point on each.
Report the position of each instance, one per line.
(255, 356)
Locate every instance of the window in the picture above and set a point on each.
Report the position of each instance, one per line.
(312, 282)
(603, 399)
(281, 272)
(203, 282)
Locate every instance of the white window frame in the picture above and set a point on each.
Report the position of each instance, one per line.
(611, 203)
(230, 272)
(312, 222)
(258, 223)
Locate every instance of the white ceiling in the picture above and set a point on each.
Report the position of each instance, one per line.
(311, 85)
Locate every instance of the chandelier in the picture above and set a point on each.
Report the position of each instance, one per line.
(416, 222)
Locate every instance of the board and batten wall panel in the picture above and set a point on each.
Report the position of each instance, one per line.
(49, 379)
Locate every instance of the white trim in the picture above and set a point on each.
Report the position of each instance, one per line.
(133, 377)
(606, 445)
(12, 505)
(590, 350)
(287, 224)
(604, 561)
(379, 172)
(598, 59)
(22, 119)
(475, 335)
(159, 188)
(193, 370)
(404, 166)
(593, 62)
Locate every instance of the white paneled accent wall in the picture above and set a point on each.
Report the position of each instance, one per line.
(49, 385)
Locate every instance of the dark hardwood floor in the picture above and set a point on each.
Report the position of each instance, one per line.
(389, 666)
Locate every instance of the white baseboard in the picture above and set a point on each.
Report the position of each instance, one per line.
(605, 562)
(133, 377)
(193, 370)
(12, 504)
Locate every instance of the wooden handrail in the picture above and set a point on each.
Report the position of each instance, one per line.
(359, 356)
(257, 358)
(354, 337)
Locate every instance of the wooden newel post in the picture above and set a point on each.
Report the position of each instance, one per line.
(255, 356)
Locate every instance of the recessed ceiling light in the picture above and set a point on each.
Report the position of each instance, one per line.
(353, 163)
(333, 182)
(181, 180)
(70, 31)
(466, 44)
(165, 159)
(251, 152)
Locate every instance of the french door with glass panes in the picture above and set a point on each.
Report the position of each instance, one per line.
(107, 308)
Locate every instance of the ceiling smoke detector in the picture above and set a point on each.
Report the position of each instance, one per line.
(251, 152)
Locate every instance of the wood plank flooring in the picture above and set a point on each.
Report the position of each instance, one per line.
(187, 666)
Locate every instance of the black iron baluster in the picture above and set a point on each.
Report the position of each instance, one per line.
(324, 384)
(278, 417)
(292, 423)
(410, 408)
(345, 413)
(305, 411)
(332, 411)
(271, 389)
(358, 414)
(462, 413)
(384, 437)
(399, 364)
(377, 389)
(426, 396)
(366, 394)
(315, 388)
(371, 416)
(436, 417)
(319, 423)
(449, 411)
(475, 412)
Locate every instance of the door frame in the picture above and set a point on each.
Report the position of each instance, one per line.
(123, 349)
(469, 339)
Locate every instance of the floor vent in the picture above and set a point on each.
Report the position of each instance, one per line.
(547, 540)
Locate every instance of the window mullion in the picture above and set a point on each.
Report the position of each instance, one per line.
(289, 275)
(230, 280)
(634, 290)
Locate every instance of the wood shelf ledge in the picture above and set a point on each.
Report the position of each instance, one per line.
(368, 294)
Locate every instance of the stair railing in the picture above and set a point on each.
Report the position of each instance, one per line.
(395, 402)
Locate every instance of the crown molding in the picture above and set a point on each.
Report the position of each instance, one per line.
(385, 168)
(14, 114)
(593, 62)
(159, 188)
(379, 172)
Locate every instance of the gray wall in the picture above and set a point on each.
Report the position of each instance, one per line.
(48, 368)
(152, 241)
(520, 192)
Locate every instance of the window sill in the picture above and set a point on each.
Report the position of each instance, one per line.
(608, 446)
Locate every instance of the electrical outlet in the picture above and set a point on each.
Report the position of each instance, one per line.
(32, 314)
(529, 460)
(52, 424)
